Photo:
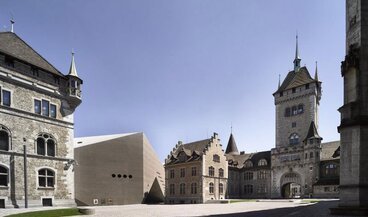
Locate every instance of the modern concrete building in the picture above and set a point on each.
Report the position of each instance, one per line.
(196, 172)
(37, 103)
(117, 169)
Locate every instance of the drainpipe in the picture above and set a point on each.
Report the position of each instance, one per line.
(25, 177)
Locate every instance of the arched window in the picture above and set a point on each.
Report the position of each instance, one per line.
(211, 187)
(294, 139)
(221, 188)
(4, 138)
(248, 164)
(211, 171)
(287, 112)
(216, 158)
(46, 145)
(221, 172)
(46, 178)
(262, 162)
(300, 108)
(3, 176)
(193, 188)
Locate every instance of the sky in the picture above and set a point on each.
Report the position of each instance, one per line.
(182, 70)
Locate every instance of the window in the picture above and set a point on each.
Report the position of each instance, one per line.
(194, 171)
(9, 61)
(307, 86)
(182, 188)
(4, 140)
(311, 155)
(300, 108)
(221, 188)
(52, 110)
(182, 172)
(193, 188)
(248, 189)
(287, 112)
(3, 176)
(293, 90)
(35, 72)
(262, 188)
(172, 174)
(221, 172)
(293, 124)
(46, 178)
(45, 107)
(6, 97)
(211, 188)
(294, 139)
(306, 155)
(294, 110)
(331, 170)
(37, 106)
(172, 189)
(262, 174)
(248, 164)
(211, 171)
(248, 176)
(281, 94)
(262, 162)
(46, 145)
(216, 158)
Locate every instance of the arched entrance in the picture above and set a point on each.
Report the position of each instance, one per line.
(291, 186)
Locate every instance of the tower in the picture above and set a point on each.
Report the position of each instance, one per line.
(295, 158)
(353, 127)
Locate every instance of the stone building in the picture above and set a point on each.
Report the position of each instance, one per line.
(196, 172)
(299, 165)
(117, 169)
(37, 103)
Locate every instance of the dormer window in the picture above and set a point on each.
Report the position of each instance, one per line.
(248, 164)
(9, 61)
(35, 72)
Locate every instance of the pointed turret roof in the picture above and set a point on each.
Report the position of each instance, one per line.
(297, 58)
(11, 44)
(231, 146)
(312, 132)
(295, 79)
(73, 69)
(316, 73)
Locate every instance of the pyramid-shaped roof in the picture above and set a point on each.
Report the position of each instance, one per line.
(231, 146)
(11, 44)
(312, 132)
(295, 79)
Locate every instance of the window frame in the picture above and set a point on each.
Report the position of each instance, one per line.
(46, 178)
(211, 188)
(2, 90)
(211, 171)
(6, 176)
(46, 144)
(194, 171)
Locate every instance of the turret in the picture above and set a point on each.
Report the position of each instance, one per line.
(312, 136)
(74, 85)
(231, 148)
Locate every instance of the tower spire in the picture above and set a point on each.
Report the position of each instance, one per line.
(279, 81)
(73, 69)
(316, 73)
(297, 58)
(12, 24)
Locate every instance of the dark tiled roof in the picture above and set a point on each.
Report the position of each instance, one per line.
(231, 146)
(312, 132)
(295, 79)
(239, 160)
(192, 152)
(12, 45)
(329, 149)
(197, 146)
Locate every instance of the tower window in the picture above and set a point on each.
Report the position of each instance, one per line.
(307, 86)
(287, 112)
(6, 97)
(293, 124)
(294, 110)
(46, 145)
(300, 108)
(294, 139)
(46, 178)
(281, 94)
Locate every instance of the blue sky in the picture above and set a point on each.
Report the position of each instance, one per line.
(181, 70)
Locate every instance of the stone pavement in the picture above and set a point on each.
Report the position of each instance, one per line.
(279, 208)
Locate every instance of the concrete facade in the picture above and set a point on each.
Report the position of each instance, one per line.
(196, 172)
(45, 129)
(116, 170)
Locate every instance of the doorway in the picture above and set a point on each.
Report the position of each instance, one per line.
(291, 190)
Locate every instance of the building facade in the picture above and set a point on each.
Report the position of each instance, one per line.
(299, 165)
(36, 127)
(196, 172)
(117, 169)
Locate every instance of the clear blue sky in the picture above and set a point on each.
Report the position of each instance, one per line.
(181, 70)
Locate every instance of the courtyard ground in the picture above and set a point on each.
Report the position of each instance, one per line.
(274, 208)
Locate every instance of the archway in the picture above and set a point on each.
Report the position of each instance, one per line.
(291, 186)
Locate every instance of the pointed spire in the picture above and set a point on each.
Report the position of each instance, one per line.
(297, 58)
(316, 73)
(73, 69)
(279, 82)
(12, 24)
(231, 148)
(312, 132)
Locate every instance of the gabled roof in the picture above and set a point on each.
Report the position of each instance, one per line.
(329, 150)
(295, 79)
(231, 146)
(239, 160)
(312, 132)
(193, 151)
(12, 45)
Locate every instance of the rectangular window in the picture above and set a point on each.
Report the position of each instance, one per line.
(37, 106)
(6, 98)
(172, 174)
(194, 171)
(172, 189)
(281, 94)
(293, 90)
(45, 107)
(293, 124)
(307, 86)
(182, 172)
(53, 110)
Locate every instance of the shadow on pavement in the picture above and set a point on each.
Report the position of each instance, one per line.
(319, 209)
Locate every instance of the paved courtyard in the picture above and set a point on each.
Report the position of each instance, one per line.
(272, 208)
